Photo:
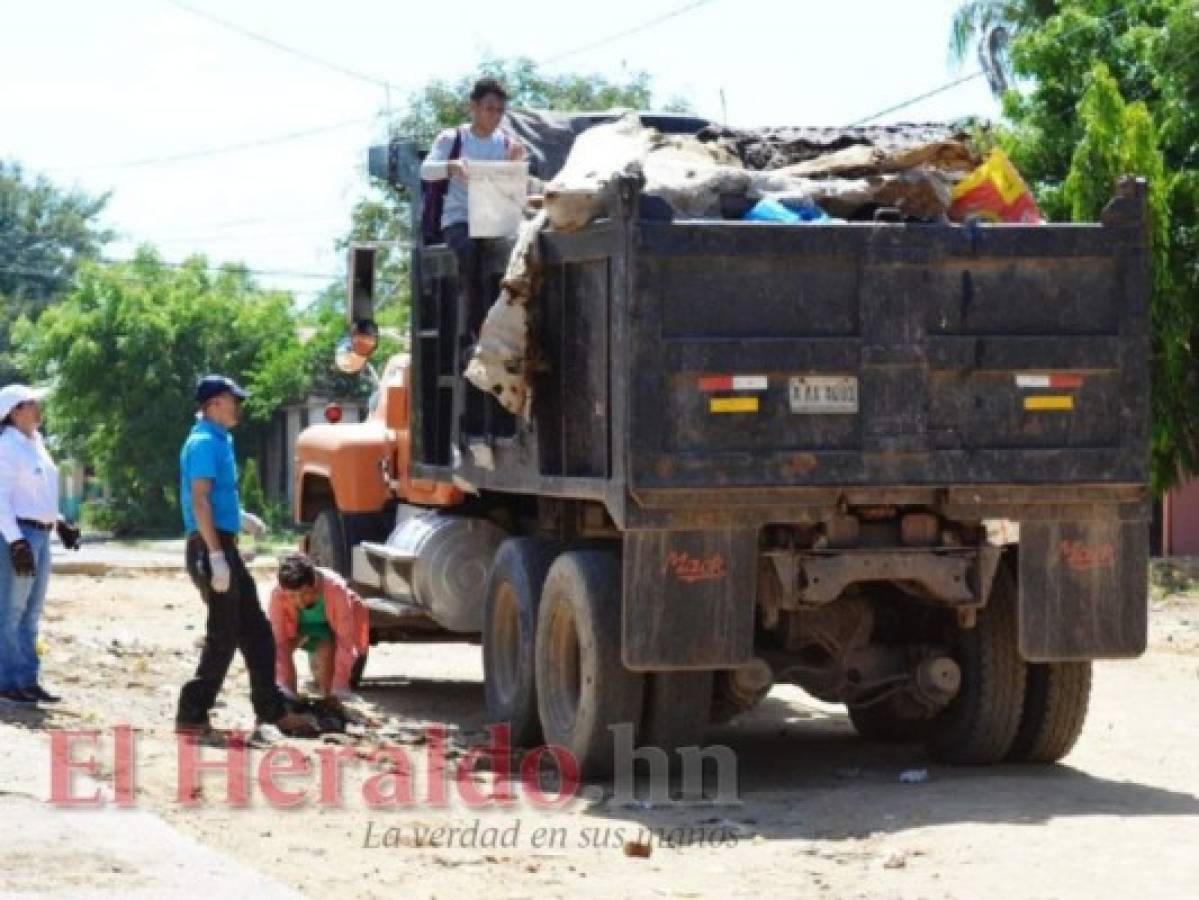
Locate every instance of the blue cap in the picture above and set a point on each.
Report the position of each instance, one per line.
(214, 385)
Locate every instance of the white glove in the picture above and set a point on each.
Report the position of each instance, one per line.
(221, 577)
(252, 525)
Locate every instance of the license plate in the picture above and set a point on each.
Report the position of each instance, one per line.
(814, 394)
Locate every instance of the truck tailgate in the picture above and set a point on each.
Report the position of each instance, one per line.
(773, 356)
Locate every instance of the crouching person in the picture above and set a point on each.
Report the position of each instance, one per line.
(313, 609)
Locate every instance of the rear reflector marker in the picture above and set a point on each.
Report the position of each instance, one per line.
(711, 384)
(1053, 382)
(733, 404)
(1063, 403)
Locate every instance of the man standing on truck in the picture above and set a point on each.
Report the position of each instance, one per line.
(212, 518)
(445, 172)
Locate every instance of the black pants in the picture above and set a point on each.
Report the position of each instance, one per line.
(472, 306)
(235, 622)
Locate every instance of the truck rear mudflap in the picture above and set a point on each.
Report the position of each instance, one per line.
(691, 598)
(1083, 590)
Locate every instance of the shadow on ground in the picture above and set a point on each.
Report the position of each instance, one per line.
(803, 773)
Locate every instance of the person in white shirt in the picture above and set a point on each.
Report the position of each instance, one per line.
(28, 512)
(447, 169)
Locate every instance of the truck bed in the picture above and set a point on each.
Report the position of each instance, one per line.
(988, 355)
(997, 367)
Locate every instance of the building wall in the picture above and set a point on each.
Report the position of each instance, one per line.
(1180, 521)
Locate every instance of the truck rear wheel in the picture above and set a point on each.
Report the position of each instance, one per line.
(583, 687)
(510, 636)
(678, 706)
(882, 722)
(980, 723)
(1055, 708)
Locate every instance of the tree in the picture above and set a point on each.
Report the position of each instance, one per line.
(442, 104)
(124, 350)
(989, 26)
(1111, 88)
(385, 215)
(45, 233)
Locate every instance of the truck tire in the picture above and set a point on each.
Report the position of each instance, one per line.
(334, 533)
(583, 688)
(980, 723)
(678, 706)
(510, 636)
(1055, 708)
(327, 545)
(881, 722)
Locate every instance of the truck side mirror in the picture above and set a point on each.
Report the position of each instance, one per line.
(355, 349)
(346, 359)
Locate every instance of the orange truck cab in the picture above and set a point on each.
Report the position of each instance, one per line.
(350, 477)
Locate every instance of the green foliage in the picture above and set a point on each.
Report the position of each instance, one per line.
(250, 492)
(975, 17)
(443, 104)
(124, 350)
(45, 233)
(1111, 87)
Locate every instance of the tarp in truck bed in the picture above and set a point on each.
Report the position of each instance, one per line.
(548, 136)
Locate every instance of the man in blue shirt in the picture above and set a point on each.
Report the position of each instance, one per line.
(212, 518)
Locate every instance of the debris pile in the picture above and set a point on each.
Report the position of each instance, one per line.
(804, 176)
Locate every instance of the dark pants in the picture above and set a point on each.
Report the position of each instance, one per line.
(472, 306)
(235, 622)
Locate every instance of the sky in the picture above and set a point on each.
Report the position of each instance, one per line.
(102, 96)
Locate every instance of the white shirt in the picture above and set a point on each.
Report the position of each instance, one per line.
(493, 148)
(28, 482)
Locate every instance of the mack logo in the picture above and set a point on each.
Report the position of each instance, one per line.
(1081, 558)
(690, 569)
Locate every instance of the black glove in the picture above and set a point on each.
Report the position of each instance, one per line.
(68, 534)
(23, 562)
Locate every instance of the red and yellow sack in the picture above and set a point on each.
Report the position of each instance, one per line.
(995, 192)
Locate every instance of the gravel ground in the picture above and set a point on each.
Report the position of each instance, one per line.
(821, 812)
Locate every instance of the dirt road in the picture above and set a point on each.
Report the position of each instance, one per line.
(822, 813)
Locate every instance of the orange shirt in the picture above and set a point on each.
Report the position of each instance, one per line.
(348, 618)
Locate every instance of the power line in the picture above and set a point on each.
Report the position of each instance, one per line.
(628, 32)
(914, 100)
(258, 236)
(285, 48)
(323, 216)
(218, 268)
(949, 85)
(218, 151)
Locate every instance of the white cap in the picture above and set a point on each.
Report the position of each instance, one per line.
(14, 394)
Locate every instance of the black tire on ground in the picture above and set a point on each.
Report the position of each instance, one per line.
(583, 687)
(678, 707)
(1055, 708)
(980, 723)
(882, 722)
(358, 670)
(510, 636)
(327, 545)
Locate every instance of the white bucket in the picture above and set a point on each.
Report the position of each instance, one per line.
(496, 196)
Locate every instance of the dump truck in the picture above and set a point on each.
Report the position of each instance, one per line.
(902, 466)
